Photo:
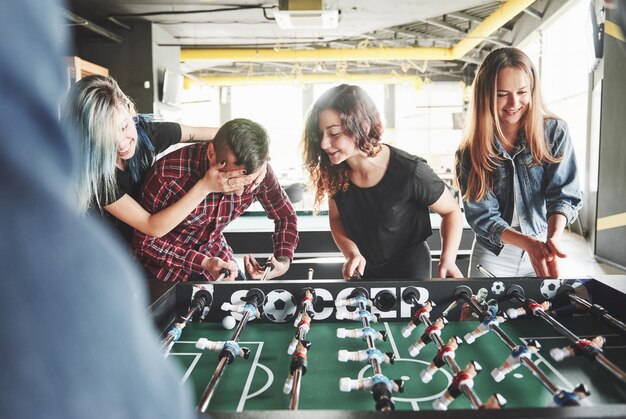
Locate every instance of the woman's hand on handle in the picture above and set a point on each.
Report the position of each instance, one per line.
(354, 264)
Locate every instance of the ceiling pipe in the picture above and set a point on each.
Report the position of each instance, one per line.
(74, 18)
(304, 79)
(497, 19)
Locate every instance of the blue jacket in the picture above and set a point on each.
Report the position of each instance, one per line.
(542, 190)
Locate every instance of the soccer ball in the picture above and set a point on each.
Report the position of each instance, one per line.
(549, 287)
(497, 287)
(279, 306)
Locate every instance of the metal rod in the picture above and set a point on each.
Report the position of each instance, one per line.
(295, 391)
(484, 271)
(467, 390)
(268, 269)
(210, 389)
(603, 360)
(511, 344)
(310, 274)
(597, 309)
(370, 341)
(196, 305)
(297, 378)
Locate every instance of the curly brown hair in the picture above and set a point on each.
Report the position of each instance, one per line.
(359, 119)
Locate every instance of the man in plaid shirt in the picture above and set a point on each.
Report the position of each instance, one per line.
(197, 248)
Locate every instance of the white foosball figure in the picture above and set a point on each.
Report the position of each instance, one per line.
(515, 359)
(366, 355)
(241, 308)
(357, 315)
(346, 384)
(566, 398)
(353, 302)
(231, 345)
(490, 318)
(362, 333)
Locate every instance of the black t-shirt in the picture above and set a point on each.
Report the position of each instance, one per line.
(393, 215)
(161, 135)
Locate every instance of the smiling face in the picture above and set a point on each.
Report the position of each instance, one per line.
(513, 97)
(337, 145)
(126, 135)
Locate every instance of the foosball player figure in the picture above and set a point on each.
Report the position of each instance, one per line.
(362, 333)
(298, 361)
(242, 308)
(495, 402)
(530, 307)
(422, 312)
(466, 312)
(461, 378)
(354, 302)
(228, 348)
(366, 355)
(347, 384)
(302, 329)
(358, 315)
(307, 306)
(515, 359)
(566, 398)
(427, 336)
(446, 351)
(487, 318)
(589, 348)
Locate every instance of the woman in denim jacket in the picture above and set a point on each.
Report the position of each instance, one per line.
(516, 171)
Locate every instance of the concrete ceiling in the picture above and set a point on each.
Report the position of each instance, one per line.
(430, 28)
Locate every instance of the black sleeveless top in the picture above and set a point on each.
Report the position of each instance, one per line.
(392, 216)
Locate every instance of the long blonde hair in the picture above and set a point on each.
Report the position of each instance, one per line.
(482, 121)
(92, 110)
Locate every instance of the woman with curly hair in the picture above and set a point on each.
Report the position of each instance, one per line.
(379, 196)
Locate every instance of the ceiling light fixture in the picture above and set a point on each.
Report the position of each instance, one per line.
(307, 14)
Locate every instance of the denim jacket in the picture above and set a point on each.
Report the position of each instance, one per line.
(541, 190)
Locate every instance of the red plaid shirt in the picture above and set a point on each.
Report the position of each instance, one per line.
(176, 255)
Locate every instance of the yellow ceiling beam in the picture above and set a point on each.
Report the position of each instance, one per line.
(497, 19)
(303, 79)
(315, 55)
(492, 23)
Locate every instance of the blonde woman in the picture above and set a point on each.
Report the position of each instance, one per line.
(516, 171)
(117, 147)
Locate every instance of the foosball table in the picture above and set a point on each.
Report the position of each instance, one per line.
(489, 347)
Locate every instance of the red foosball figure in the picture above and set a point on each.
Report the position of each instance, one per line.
(446, 351)
(589, 348)
(461, 378)
(427, 336)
